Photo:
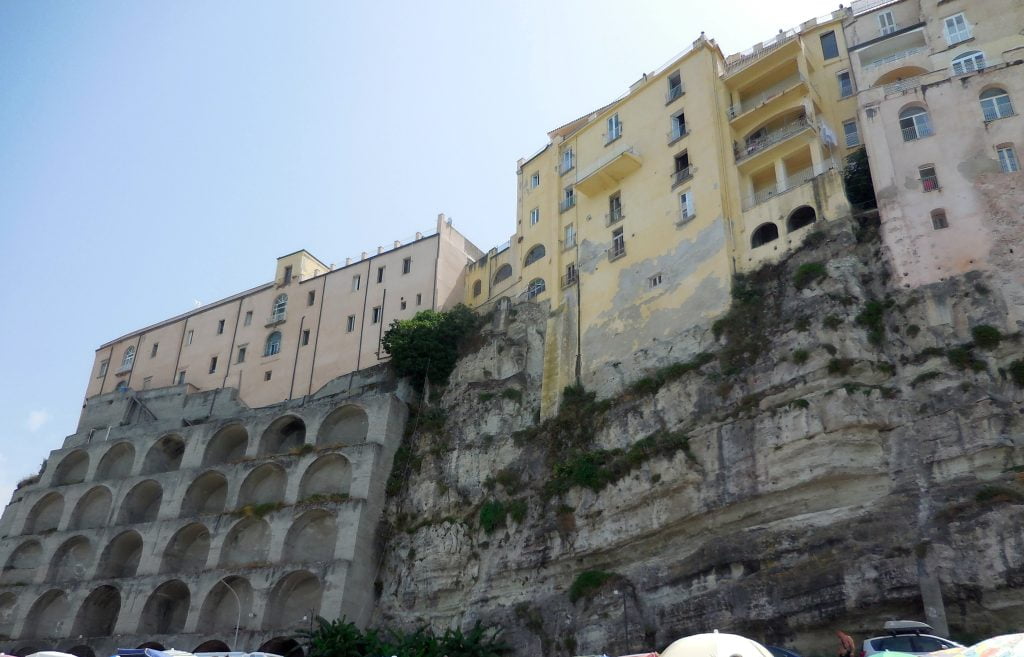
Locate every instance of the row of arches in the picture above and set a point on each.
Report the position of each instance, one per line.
(312, 537)
(345, 426)
(330, 474)
(230, 601)
(769, 231)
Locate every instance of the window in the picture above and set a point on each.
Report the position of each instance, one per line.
(682, 171)
(570, 237)
(1008, 161)
(104, 364)
(535, 288)
(534, 254)
(181, 377)
(503, 272)
(478, 288)
(675, 87)
(995, 104)
(614, 129)
(266, 375)
(568, 199)
(401, 304)
(677, 127)
(929, 181)
(419, 299)
(248, 317)
(146, 382)
(915, 124)
(380, 274)
(572, 275)
(305, 337)
(845, 84)
(618, 245)
(152, 352)
(188, 336)
(311, 297)
(686, 211)
(241, 355)
(350, 323)
(213, 365)
(654, 281)
(122, 386)
(957, 29)
(220, 326)
(764, 234)
(939, 219)
(406, 265)
(850, 133)
(969, 62)
(829, 46)
(376, 315)
(128, 359)
(886, 23)
(279, 310)
(273, 346)
(356, 282)
(287, 274)
(615, 208)
(534, 216)
(568, 161)
(535, 180)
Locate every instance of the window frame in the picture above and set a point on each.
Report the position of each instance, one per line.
(686, 208)
(357, 282)
(279, 309)
(406, 265)
(248, 318)
(535, 180)
(846, 133)
(991, 102)
(965, 30)
(104, 366)
(534, 216)
(972, 56)
(376, 314)
(380, 274)
(886, 27)
(242, 349)
(1011, 163)
(569, 235)
(939, 219)
(350, 323)
(213, 364)
(535, 288)
(536, 253)
(128, 359)
(272, 347)
(922, 128)
(613, 127)
(850, 91)
(834, 44)
(929, 183)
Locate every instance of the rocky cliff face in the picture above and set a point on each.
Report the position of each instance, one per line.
(850, 452)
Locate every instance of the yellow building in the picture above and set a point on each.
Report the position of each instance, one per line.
(632, 220)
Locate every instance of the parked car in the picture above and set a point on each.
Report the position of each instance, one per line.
(911, 637)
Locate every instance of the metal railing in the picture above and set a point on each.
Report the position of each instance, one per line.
(125, 368)
(682, 175)
(751, 55)
(677, 133)
(618, 248)
(571, 277)
(793, 180)
(675, 91)
(567, 203)
(895, 57)
(777, 89)
(901, 86)
(755, 146)
(917, 132)
(613, 217)
(565, 167)
(277, 318)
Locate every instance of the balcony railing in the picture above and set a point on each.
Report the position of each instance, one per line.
(675, 91)
(571, 277)
(613, 217)
(901, 86)
(747, 104)
(863, 6)
(125, 368)
(895, 57)
(917, 132)
(755, 146)
(277, 318)
(752, 55)
(682, 175)
(567, 203)
(618, 249)
(793, 180)
(565, 167)
(677, 133)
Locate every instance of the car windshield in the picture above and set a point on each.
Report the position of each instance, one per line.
(928, 644)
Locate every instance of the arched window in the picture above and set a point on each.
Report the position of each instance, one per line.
(477, 288)
(277, 314)
(503, 272)
(763, 234)
(915, 124)
(535, 288)
(534, 254)
(995, 104)
(802, 216)
(969, 62)
(273, 344)
(129, 358)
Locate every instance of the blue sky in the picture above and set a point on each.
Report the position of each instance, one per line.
(153, 155)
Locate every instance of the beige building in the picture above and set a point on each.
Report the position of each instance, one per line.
(940, 85)
(288, 338)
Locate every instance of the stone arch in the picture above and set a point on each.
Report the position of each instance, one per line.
(187, 550)
(763, 234)
(227, 445)
(8, 612)
(121, 556)
(142, 503)
(47, 616)
(117, 462)
(82, 651)
(221, 611)
(71, 560)
(802, 216)
(98, 614)
(347, 425)
(264, 485)
(293, 599)
(92, 510)
(311, 537)
(478, 287)
(23, 563)
(214, 645)
(285, 433)
(330, 474)
(897, 74)
(206, 494)
(166, 609)
(72, 468)
(504, 272)
(165, 455)
(45, 514)
(248, 542)
(282, 645)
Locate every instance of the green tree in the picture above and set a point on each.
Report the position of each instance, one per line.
(428, 344)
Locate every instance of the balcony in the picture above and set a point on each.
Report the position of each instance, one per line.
(761, 144)
(565, 167)
(613, 217)
(276, 318)
(893, 58)
(609, 170)
(571, 277)
(618, 249)
(762, 51)
(567, 203)
(777, 89)
(124, 369)
(792, 181)
(682, 175)
(902, 86)
(674, 92)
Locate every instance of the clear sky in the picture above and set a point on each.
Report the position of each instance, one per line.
(155, 155)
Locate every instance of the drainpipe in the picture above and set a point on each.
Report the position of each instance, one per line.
(316, 338)
(231, 349)
(295, 363)
(362, 317)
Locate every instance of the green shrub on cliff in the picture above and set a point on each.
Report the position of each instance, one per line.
(340, 638)
(427, 345)
(587, 584)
